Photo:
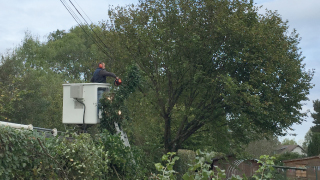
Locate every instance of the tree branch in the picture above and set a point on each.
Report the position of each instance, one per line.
(116, 172)
(45, 151)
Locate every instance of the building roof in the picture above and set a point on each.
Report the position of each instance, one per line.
(301, 159)
(226, 157)
(287, 148)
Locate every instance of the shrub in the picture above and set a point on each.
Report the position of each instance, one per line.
(29, 155)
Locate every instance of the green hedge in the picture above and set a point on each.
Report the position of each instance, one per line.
(29, 155)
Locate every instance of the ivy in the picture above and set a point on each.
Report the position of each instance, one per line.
(22, 156)
(113, 104)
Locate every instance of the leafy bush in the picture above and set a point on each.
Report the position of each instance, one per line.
(166, 170)
(22, 157)
(29, 155)
(124, 162)
(266, 170)
(201, 169)
(279, 158)
(113, 105)
(81, 158)
(186, 158)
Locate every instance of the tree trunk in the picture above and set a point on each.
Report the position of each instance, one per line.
(167, 133)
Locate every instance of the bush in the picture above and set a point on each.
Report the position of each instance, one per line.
(279, 158)
(201, 168)
(187, 158)
(124, 162)
(29, 155)
(22, 157)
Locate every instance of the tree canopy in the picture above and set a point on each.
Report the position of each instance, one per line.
(215, 63)
(31, 93)
(214, 73)
(312, 138)
(313, 148)
(316, 116)
(287, 141)
(263, 147)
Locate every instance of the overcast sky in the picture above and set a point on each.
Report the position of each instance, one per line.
(41, 17)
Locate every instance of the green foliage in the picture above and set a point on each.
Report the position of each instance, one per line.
(307, 140)
(212, 67)
(21, 156)
(279, 158)
(312, 138)
(186, 158)
(201, 169)
(166, 171)
(216, 64)
(316, 115)
(113, 104)
(73, 54)
(264, 146)
(206, 65)
(81, 158)
(32, 92)
(287, 141)
(124, 162)
(11, 90)
(29, 155)
(313, 148)
(266, 170)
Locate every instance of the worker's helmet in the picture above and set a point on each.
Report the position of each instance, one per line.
(100, 64)
(117, 82)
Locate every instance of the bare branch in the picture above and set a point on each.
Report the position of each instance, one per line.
(46, 152)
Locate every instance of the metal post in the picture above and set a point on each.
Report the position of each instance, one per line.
(53, 131)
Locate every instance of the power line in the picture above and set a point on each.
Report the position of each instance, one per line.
(75, 17)
(83, 11)
(89, 25)
(78, 20)
(81, 26)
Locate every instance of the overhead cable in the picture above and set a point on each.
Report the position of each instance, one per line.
(88, 24)
(78, 20)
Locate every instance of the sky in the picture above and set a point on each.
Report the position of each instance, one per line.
(41, 17)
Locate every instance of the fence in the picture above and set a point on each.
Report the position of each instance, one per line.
(297, 173)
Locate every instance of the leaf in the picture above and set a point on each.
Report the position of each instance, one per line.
(187, 177)
(158, 166)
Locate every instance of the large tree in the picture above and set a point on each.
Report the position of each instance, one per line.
(31, 77)
(217, 64)
(313, 148)
(31, 93)
(73, 54)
